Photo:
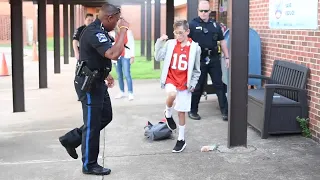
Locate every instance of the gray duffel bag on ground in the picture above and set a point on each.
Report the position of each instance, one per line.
(158, 131)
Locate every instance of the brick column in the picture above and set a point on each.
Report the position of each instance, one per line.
(214, 5)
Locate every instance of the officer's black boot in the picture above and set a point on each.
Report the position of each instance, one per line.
(225, 117)
(195, 99)
(71, 150)
(224, 113)
(194, 116)
(96, 170)
(223, 103)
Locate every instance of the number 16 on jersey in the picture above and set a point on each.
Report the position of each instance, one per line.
(180, 62)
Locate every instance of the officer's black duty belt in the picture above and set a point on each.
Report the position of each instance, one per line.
(208, 52)
(90, 76)
(83, 70)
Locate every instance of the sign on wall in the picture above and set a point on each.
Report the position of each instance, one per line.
(293, 14)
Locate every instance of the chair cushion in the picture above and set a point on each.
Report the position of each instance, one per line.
(258, 96)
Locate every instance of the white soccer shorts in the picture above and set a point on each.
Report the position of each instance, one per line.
(183, 98)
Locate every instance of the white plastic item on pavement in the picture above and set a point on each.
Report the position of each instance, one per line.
(209, 148)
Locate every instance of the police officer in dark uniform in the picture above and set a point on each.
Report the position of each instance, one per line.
(96, 52)
(207, 32)
(76, 36)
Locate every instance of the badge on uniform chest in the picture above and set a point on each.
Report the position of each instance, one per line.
(199, 27)
(215, 25)
(102, 37)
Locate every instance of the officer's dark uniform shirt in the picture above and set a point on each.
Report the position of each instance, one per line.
(94, 42)
(77, 33)
(206, 33)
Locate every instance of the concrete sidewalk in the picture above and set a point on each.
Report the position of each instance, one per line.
(29, 147)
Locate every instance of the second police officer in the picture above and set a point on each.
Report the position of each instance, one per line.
(96, 52)
(76, 36)
(207, 33)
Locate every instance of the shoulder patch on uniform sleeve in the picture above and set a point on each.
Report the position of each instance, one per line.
(101, 37)
(75, 33)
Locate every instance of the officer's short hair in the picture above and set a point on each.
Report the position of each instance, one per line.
(110, 9)
(183, 23)
(89, 15)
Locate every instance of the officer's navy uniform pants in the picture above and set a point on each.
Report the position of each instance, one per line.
(215, 72)
(97, 114)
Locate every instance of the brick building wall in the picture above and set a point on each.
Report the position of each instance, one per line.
(30, 12)
(5, 24)
(5, 30)
(181, 12)
(298, 46)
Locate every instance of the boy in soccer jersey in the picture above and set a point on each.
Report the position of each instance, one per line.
(180, 74)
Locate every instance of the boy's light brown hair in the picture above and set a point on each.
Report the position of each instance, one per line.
(183, 23)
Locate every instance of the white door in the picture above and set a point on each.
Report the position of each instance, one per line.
(30, 31)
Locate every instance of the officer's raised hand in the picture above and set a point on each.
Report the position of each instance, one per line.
(123, 24)
(110, 17)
